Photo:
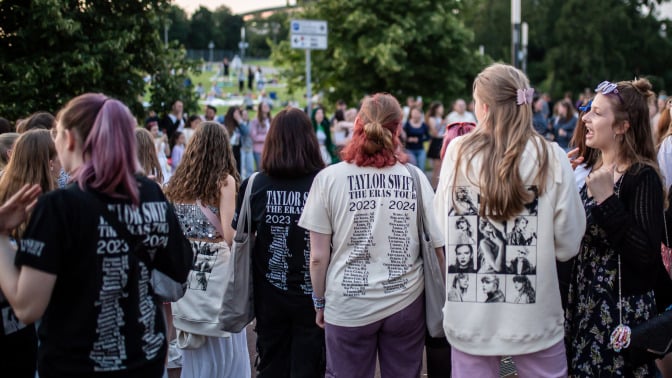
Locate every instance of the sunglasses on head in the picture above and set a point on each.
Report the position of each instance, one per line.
(607, 87)
(586, 108)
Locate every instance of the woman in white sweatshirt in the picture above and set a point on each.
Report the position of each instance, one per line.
(508, 170)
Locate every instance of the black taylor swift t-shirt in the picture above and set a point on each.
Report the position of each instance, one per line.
(282, 249)
(102, 316)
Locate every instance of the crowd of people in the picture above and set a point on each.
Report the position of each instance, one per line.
(547, 229)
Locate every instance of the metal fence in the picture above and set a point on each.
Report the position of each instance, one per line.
(217, 55)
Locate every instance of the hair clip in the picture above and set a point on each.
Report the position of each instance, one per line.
(607, 87)
(525, 96)
(586, 108)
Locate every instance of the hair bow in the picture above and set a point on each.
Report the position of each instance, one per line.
(525, 96)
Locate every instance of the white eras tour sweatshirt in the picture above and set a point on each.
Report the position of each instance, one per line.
(503, 296)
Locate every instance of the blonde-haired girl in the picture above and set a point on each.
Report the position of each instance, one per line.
(508, 170)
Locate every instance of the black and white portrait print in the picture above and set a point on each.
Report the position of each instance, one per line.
(491, 288)
(491, 261)
(462, 258)
(521, 289)
(521, 260)
(204, 261)
(531, 208)
(463, 229)
(523, 232)
(465, 201)
(462, 287)
(491, 246)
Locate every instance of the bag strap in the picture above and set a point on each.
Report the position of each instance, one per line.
(134, 241)
(212, 217)
(245, 216)
(667, 240)
(418, 196)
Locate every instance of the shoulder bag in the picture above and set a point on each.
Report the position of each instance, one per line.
(653, 338)
(197, 314)
(435, 288)
(238, 302)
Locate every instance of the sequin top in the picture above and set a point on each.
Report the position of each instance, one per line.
(195, 224)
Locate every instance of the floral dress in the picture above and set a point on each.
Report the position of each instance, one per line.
(592, 311)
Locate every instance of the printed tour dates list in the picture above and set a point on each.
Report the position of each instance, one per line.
(379, 197)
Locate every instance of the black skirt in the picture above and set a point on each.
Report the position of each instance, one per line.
(434, 150)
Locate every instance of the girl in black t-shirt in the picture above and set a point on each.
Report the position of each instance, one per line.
(289, 342)
(76, 272)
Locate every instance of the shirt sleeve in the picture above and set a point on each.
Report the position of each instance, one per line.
(176, 258)
(665, 160)
(569, 219)
(315, 215)
(45, 239)
(633, 221)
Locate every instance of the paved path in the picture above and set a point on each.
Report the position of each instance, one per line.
(508, 370)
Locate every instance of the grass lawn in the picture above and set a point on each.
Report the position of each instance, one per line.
(229, 88)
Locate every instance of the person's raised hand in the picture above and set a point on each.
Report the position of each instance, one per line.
(16, 209)
(600, 183)
(574, 159)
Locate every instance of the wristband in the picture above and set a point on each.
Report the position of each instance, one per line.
(318, 302)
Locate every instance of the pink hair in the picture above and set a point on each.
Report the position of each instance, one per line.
(453, 131)
(110, 161)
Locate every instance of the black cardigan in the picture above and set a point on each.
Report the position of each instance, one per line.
(633, 222)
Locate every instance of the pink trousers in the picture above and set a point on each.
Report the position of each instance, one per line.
(547, 363)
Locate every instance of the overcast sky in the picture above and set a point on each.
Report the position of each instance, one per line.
(237, 6)
(242, 6)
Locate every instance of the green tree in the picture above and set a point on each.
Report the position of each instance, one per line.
(264, 32)
(171, 82)
(226, 28)
(201, 29)
(405, 48)
(575, 44)
(617, 41)
(178, 25)
(55, 50)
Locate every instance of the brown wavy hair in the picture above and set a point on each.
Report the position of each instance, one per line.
(206, 163)
(29, 164)
(149, 161)
(578, 140)
(633, 106)
(500, 139)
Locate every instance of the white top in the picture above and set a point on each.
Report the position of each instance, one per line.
(665, 160)
(513, 262)
(453, 117)
(375, 268)
(173, 118)
(580, 174)
(188, 133)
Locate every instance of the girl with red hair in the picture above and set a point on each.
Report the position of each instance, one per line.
(365, 263)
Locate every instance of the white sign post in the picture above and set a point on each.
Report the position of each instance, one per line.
(308, 35)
